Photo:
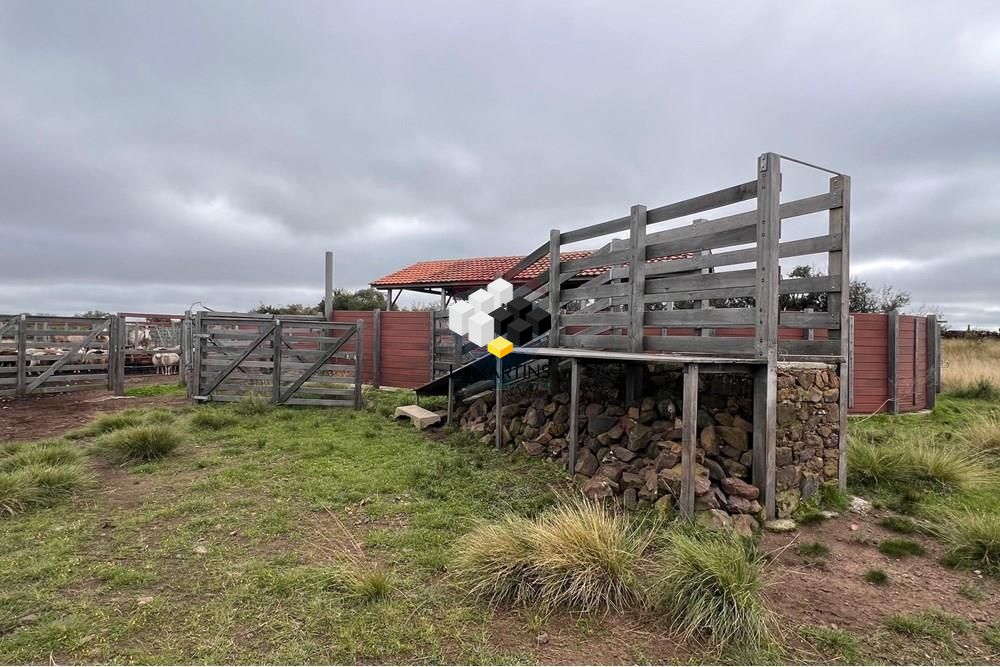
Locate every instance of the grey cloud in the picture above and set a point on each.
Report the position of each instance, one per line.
(159, 154)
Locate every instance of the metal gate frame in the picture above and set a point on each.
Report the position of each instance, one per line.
(61, 375)
(296, 349)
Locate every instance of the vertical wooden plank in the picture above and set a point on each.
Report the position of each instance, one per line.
(498, 431)
(197, 330)
(328, 287)
(554, 289)
(574, 409)
(768, 237)
(765, 424)
(122, 337)
(916, 346)
(276, 353)
(689, 437)
(451, 396)
(22, 355)
(809, 334)
(933, 361)
(636, 302)
(359, 353)
(111, 381)
(434, 354)
(850, 364)
(893, 360)
(377, 347)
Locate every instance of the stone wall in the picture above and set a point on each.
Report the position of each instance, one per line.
(633, 452)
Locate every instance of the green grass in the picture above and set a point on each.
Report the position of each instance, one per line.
(814, 550)
(834, 642)
(982, 389)
(972, 592)
(35, 475)
(971, 539)
(992, 636)
(934, 624)
(252, 405)
(212, 419)
(149, 390)
(709, 584)
(899, 524)
(877, 577)
(900, 548)
(140, 443)
(579, 555)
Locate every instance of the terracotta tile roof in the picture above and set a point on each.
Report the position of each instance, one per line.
(482, 270)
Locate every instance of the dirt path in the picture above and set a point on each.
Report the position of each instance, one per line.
(51, 415)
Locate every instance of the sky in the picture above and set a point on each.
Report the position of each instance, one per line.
(157, 155)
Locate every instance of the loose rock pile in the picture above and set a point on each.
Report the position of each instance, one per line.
(634, 453)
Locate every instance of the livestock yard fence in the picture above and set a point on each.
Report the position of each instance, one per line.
(289, 360)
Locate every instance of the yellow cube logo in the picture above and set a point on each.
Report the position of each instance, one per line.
(500, 347)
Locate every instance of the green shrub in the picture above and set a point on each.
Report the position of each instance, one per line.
(38, 485)
(210, 419)
(877, 577)
(710, 583)
(42, 453)
(953, 467)
(971, 539)
(982, 389)
(900, 548)
(578, 555)
(252, 404)
(141, 443)
(899, 524)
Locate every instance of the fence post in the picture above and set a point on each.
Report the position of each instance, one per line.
(276, 338)
(121, 335)
(555, 258)
(196, 341)
(22, 352)
(893, 360)
(933, 361)
(359, 347)
(636, 300)
(377, 347)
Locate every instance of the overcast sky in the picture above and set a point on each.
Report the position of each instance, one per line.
(154, 155)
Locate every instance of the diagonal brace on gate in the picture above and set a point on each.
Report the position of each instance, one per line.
(319, 364)
(88, 341)
(237, 361)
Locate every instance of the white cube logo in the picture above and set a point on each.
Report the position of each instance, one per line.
(481, 328)
(502, 292)
(458, 317)
(483, 301)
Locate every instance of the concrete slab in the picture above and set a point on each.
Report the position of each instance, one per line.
(420, 417)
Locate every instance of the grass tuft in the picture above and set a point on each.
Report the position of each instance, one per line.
(834, 640)
(370, 585)
(114, 422)
(38, 485)
(971, 592)
(710, 583)
(933, 623)
(981, 389)
(150, 390)
(900, 548)
(578, 555)
(251, 405)
(140, 443)
(919, 463)
(992, 636)
(814, 550)
(983, 434)
(971, 539)
(43, 453)
(210, 419)
(877, 577)
(899, 524)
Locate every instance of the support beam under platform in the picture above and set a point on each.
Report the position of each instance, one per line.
(689, 440)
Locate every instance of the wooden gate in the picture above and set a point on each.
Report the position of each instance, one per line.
(48, 354)
(290, 360)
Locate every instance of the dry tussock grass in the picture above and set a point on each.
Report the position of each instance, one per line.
(970, 364)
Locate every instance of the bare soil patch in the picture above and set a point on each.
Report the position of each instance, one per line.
(51, 415)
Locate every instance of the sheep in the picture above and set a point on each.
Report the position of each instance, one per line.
(166, 363)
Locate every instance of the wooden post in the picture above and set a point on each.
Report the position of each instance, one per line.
(22, 355)
(196, 341)
(377, 347)
(328, 288)
(765, 421)
(893, 360)
(554, 261)
(451, 395)
(933, 360)
(498, 436)
(636, 300)
(276, 362)
(689, 440)
(122, 337)
(359, 349)
(112, 352)
(574, 409)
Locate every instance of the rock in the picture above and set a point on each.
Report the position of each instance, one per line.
(709, 441)
(715, 470)
(534, 418)
(586, 462)
(709, 501)
(782, 456)
(701, 486)
(201, 549)
(612, 471)
(713, 520)
(664, 506)
(535, 449)
(632, 479)
(652, 480)
(809, 486)
(787, 414)
(742, 424)
(740, 505)
(745, 525)
(747, 458)
(859, 506)
(787, 477)
(600, 424)
(639, 437)
(542, 639)
(734, 468)
(666, 459)
(630, 498)
(785, 502)
(813, 395)
(593, 410)
(724, 418)
(780, 526)
(737, 487)
(623, 454)
(561, 398)
(599, 488)
(734, 437)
